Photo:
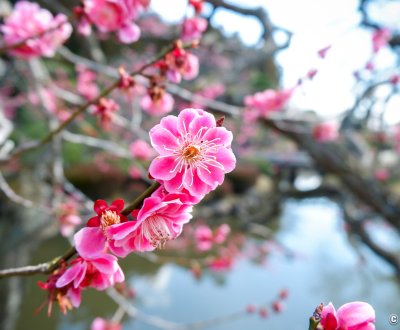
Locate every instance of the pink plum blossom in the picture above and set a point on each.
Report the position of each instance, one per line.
(181, 64)
(263, 103)
(100, 272)
(193, 28)
(86, 83)
(105, 110)
(102, 324)
(194, 154)
(205, 238)
(351, 316)
(157, 106)
(30, 23)
(159, 220)
(67, 297)
(325, 132)
(140, 149)
(95, 238)
(380, 38)
(68, 218)
(221, 233)
(112, 16)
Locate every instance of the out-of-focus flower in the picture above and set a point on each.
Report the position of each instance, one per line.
(263, 103)
(193, 28)
(324, 51)
(140, 149)
(40, 32)
(68, 218)
(102, 324)
(380, 38)
(181, 64)
(157, 102)
(194, 154)
(382, 174)
(86, 83)
(205, 238)
(351, 316)
(105, 110)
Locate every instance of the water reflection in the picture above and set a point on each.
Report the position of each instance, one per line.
(327, 267)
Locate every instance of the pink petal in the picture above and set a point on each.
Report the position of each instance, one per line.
(120, 251)
(162, 139)
(80, 277)
(170, 123)
(227, 159)
(198, 188)
(355, 313)
(220, 135)
(100, 206)
(206, 122)
(69, 275)
(75, 297)
(150, 205)
(105, 264)
(120, 231)
(161, 168)
(129, 33)
(90, 242)
(174, 184)
(213, 177)
(93, 222)
(185, 117)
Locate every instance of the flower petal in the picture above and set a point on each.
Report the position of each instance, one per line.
(117, 205)
(163, 140)
(69, 275)
(354, 314)
(161, 168)
(226, 158)
(90, 242)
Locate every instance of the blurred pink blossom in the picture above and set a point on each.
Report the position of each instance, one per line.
(30, 22)
(193, 28)
(157, 106)
(263, 103)
(380, 38)
(86, 83)
(140, 149)
(102, 324)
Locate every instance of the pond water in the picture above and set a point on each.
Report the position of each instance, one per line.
(327, 267)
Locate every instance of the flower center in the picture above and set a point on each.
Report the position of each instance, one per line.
(156, 231)
(190, 152)
(109, 218)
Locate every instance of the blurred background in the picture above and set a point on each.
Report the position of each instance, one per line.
(311, 213)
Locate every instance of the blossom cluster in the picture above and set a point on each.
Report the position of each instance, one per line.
(111, 16)
(31, 31)
(194, 154)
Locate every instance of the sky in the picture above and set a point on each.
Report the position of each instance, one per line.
(315, 24)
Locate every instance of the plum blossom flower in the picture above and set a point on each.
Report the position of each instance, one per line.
(263, 103)
(193, 28)
(105, 110)
(100, 272)
(324, 51)
(67, 297)
(206, 238)
(102, 324)
(181, 64)
(112, 16)
(94, 239)
(68, 218)
(157, 103)
(40, 32)
(351, 316)
(194, 154)
(86, 83)
(159, 220)
(140, 149)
